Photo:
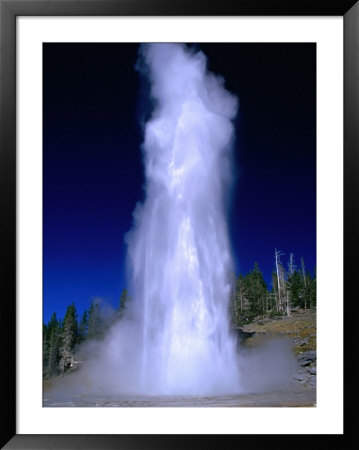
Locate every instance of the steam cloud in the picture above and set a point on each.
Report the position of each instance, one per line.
(179, 253)
(175, 337)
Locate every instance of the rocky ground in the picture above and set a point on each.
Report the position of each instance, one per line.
(300, 327)
(299, 398)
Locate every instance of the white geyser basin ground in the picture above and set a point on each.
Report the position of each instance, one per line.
(175, 338)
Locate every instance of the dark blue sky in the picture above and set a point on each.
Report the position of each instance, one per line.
(94, 103)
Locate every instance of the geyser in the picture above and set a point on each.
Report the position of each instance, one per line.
(178, 250)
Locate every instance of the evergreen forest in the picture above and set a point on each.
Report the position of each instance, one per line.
(291, 288)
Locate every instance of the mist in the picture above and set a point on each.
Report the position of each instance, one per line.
(269, 366)
(175, 336)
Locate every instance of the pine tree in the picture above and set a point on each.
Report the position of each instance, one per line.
(54, 355)
(51, 347)
(83, 327)
(305, 284)
(294, 284)
(242, 294)
(239, 304)
(95, 321)
(311, 290)
(69, 337)
(124, 299)
(45, 349)
(289, 283)
(256, 290)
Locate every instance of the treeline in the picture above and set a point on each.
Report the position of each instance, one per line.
(61, 338)
(290, 289)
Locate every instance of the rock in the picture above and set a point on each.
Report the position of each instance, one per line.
(306, 377)
(298, 341)
(312, 370)
(307, 370)
(305, 362)
(310, 356)
(244, 334)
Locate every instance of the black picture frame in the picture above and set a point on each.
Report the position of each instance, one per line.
(9, 10)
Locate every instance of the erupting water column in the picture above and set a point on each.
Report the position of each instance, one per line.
(179, 251)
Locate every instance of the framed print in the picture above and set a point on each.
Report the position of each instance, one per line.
(173, 206)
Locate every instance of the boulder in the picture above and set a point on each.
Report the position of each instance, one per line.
(305, 362)
(300, 377)
(310, 356)
(303, 342)
(243, 334)
(312, 381)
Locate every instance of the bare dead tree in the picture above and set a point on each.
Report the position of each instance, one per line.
(305, 282)
(280, 279)
(291, 266)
